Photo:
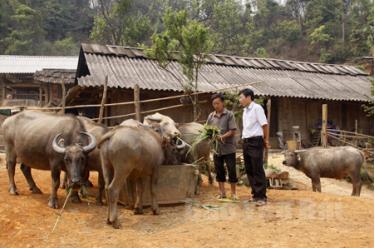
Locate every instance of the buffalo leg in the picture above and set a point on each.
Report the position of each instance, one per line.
(138, 206)
(113, 195)
(55, 173)
(65, 181)
(11, 166)
(208, 168)
(357, 184)
(26, 170)
(99, 196)
(153, 190)
(316, 184)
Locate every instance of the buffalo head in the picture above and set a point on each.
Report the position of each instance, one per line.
(75, 156)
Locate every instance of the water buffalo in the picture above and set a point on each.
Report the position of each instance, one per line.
(35, 139)
(171, 151)
(133, 153)
(164, 122)
(201, 152)
(333, 162)
(94, 161)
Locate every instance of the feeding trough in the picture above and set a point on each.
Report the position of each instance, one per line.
(176, 183)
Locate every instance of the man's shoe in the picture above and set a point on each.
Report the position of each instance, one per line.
(235, 198)
(260, 203)
(220, 197)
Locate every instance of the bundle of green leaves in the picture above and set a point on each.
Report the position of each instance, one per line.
(209, 133)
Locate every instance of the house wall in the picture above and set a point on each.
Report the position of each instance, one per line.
(285, 112)
(180, 115)
(307, 114)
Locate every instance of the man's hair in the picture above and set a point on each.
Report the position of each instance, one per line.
(217, 95)
(247, 92)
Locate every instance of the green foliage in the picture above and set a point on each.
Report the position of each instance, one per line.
(369, 108)
(186, 41)
(319, 36)
(209, 133)
(331, 31)
(261, 52)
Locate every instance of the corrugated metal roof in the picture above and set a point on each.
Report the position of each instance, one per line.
(56, 76)
(31, 64)
(126, 67)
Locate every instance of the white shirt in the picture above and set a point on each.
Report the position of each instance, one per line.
(253, 118)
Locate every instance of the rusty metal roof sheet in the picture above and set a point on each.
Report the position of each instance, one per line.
(56, 76)
(126, 67)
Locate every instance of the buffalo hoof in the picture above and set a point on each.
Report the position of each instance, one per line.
(115, 224)
(210, 180)
(156, 211)
(13, 191)
(138, 211)
(53, 203)
(36, 190)
(88, 184)
(74, 198)
(99, 203)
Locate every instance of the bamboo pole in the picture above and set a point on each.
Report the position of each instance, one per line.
(104, 99)
(145, 112)
(324, 125)
(137, 105)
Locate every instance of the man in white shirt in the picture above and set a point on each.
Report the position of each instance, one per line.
(255, 139)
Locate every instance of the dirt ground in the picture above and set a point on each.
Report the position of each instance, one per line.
(298, 218)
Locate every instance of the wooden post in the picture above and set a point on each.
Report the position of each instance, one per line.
(49, 94)
(137, 104)
(268, 105)
(356, 132)
(40, 96)
(63, 99)
(104, 99)
(324, 125)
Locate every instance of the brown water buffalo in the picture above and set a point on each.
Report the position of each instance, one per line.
(332, 162)
(35, 139)
(133, 153)
(200, 153)
(171, 150)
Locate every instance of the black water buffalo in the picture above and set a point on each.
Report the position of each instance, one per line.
(199, 154)
(333, 162)
(47, 142)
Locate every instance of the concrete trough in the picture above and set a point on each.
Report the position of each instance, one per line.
(176, 184)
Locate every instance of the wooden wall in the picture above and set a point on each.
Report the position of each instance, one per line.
(180, 115)
(285, 112)
(306, 114)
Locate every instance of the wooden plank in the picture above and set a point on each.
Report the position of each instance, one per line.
(324, 125)
(137, 105)
(104, 99)
(63, 99)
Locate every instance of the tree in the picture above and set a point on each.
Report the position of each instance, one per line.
(21, 38)
(186, 41)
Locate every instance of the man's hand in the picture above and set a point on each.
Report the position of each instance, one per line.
(267, 144)
(220, 138)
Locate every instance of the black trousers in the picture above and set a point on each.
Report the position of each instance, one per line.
(230, 161)
(253, 157)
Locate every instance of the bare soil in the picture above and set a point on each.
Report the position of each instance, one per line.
(298, 218)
